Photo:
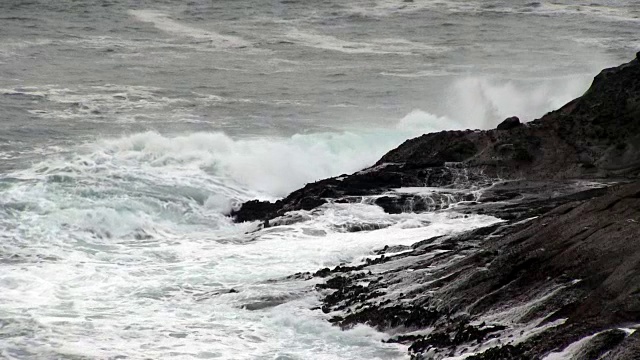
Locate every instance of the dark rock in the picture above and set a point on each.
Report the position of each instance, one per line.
(391, 249)
(433, 150)
(585, 241)
(255, 210)
(509, 123)
(265, 303)
(507, 352)
(308, 203)
(566, 251)
(453, 336)
(390, 317)
(390, 204)
(322, 272)
(592, 137)
(357, 227)
(396, 204)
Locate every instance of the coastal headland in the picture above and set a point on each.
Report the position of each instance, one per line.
(559, 276)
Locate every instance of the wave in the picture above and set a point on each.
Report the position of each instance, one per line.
(232, 170)
(148, 184)
(163, 22)
(264, 167)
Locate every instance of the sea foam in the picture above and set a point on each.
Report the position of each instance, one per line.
(165, 23)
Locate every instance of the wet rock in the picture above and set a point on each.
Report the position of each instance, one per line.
(584, 244)
(322, 272)
(566, 256)
(404, 203)
(592, 137)
(265, 303)
(357, 227)
(451, 337)
(433, 150)
(507, 352)
(209, 294)
(391, 249)
(389, 317)
(255, 210)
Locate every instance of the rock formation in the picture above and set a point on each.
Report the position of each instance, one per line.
(561, 273)
(592, 137)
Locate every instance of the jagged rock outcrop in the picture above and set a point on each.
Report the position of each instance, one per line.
(573, 272)
(560, 274)
(594, 136)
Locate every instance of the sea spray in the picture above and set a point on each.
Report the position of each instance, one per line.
(481, 102)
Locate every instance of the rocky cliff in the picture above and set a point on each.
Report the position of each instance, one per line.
(592, 137)
(518, 290)
(558, 278)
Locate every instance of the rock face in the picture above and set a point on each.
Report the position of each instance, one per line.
(594, 136)
(577, 268)
(561, 274)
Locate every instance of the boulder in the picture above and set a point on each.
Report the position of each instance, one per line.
(509, 123)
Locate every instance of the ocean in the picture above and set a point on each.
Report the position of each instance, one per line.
(130, 129)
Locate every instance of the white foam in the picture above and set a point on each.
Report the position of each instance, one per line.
(328, 42)
(129, 104)
(570, 351)
(100, 103)
(373, 46)
(9, 48)
(164, 22)
(422, 120)
(485, 101)
(131, 260)
(268, 166)
(120, 245)
(273, 166)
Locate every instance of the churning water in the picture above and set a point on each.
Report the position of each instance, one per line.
(128, 129)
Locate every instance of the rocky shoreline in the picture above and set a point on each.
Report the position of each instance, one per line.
(560, 274)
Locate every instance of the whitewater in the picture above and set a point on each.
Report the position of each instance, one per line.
(129, 131)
